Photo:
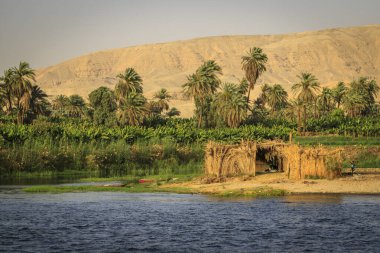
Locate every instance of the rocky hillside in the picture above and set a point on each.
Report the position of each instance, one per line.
(332, 55)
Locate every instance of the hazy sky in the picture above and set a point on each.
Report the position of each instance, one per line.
(46, 32)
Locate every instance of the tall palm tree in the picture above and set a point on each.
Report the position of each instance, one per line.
(132, 109)
(129, 82)
(306, 88)
(201, 86)
(231, 104)
(6, 89)
(162, 96)
(277, 97)
(22, 78)
(253, 64)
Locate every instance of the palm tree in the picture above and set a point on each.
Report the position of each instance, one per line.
(294, 110)
(326, 100)
(243, 86)
(60, 105)
(22, 78)
(132, 109)
(277, 97)
(201, 86)
(264, 93)
(76, 106)
(367, 89)
(306, 89)
(129, 82)
(163, 99)
(173, 112)
(338, 93)
(253, 64)
(6, 89)
(354, 104)
(231, 104)
(38, 102)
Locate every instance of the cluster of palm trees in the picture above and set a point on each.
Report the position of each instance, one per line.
(216, 103)
(72, 106)
(133, 107)
(230, 103)
(20, 95)
(357, 99)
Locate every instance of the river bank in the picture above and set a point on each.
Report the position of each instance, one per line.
(264, 185)
(367, 182)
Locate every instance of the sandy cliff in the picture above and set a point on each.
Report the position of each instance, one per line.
(332, 55)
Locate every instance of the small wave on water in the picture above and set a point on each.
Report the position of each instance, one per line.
(120, 222)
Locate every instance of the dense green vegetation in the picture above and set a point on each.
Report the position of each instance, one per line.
(120, 132)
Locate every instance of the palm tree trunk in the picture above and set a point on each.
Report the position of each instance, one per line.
(299, 121)
(249, 93)
(9, 110)
(304, 118)
(200, 120)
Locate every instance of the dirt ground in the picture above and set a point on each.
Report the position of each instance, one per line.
(367, 182)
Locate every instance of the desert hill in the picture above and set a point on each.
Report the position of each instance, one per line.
(332, 55)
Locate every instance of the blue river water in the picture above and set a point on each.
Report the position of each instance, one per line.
(123, 222)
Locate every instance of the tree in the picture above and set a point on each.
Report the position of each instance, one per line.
(231, 104)
(132, 109)
(129, 82)
(326, 100)
(173, 112)
(265, 93)
(354, 103)
(76, 106)
(6, 90)
(22, 77)
(103, 101)
(60, 105)
(201, 86)
(277, 97)
(338, 93)
(162, 100)
(294, 111)
(253, 64)
(306, 89)
(39, 105)
(367, 89)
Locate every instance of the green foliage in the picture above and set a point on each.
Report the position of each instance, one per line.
(103, 101)
(337, 140)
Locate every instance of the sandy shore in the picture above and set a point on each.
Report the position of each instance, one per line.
(360, 183)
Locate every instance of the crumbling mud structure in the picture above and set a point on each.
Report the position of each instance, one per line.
(248, 158)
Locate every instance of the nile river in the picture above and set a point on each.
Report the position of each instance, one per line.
(121, 222)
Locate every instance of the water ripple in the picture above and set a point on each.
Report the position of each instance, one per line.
(120, 222)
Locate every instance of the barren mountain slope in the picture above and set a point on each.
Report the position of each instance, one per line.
(332, 55)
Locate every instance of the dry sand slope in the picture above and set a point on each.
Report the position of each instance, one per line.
(332, 55)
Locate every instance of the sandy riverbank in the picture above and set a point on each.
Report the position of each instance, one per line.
(361, 183)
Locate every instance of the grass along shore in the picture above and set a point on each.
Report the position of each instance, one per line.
(264, 185)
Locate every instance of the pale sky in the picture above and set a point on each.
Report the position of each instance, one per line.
(46, 32)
